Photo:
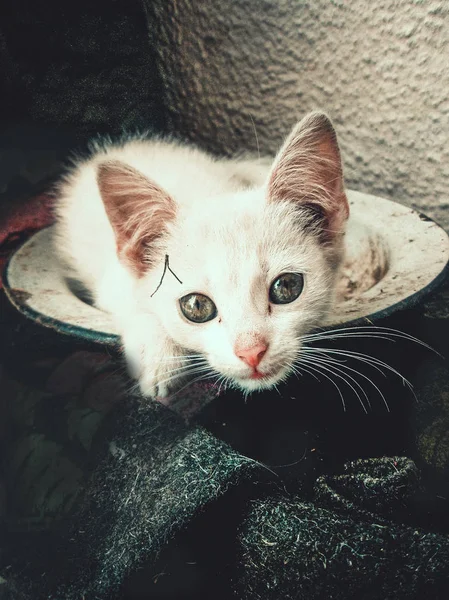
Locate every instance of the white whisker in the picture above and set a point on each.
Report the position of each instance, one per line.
(335, 371)
(342, 365)
(298, 372)
(365, 358)
(183, 374)
(328, 378)
(387, 333)
(221, 381)
(183, 370)
(189, 383)
(182, 357)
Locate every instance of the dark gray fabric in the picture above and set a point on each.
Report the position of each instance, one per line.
(336, 548)
(156, 474)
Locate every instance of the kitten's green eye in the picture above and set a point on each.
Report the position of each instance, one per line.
(198, 308)
(286, 288)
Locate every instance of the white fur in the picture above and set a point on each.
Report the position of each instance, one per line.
(227, 242)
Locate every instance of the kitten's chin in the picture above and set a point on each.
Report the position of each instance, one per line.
(262, 381)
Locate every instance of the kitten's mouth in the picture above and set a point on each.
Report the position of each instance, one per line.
(259, 375)
(258, 380)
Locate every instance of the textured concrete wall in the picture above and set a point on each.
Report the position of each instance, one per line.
(380, 69)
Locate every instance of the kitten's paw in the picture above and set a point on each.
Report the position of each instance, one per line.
(157, 366)
(159, 378)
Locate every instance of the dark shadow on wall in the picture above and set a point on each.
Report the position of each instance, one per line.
(70, 71)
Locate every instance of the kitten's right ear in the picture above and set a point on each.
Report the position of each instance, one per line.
(307, 172)
(138, 210)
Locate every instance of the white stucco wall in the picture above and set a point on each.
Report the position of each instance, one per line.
(380, 69)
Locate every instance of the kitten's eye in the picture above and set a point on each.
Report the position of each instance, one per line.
(286, 288)
(198, 308)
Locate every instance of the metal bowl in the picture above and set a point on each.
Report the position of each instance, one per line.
(418, 250)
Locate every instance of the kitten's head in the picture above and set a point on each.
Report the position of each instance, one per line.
(257, 267)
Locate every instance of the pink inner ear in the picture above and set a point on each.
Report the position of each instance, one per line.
(138, 210)
(308, 172)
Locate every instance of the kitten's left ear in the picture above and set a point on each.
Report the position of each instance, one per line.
(138, 210)
(308, 172)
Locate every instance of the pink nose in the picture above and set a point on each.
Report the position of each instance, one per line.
(252, 356)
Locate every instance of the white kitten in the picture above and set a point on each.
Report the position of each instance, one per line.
(253, 255)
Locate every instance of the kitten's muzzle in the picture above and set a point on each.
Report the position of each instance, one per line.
(253, 355)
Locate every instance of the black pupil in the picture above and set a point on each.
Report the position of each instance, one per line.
(198, 307)
(286, 288)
